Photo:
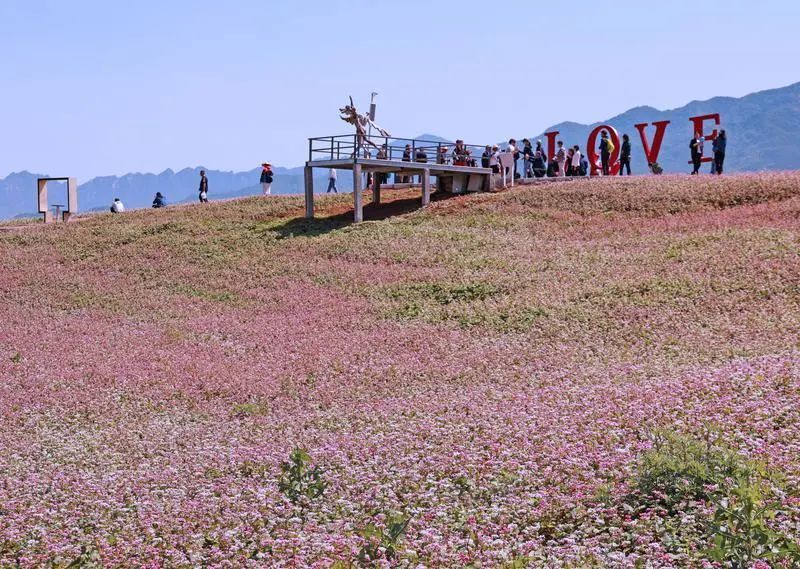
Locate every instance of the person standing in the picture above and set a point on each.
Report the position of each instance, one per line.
(561, 159)
(539, 165)
(540, 148)
(203, 189)
(494, 160)
(625, 155)
(718, 146)
(332, 181)
(576, 160)
(696, 148)
(266, 178)
(527, 158)
(486, 156)
(605, 153)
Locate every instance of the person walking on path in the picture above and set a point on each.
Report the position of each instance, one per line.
(625, 155)
(117, 206)
(605, 153)
(332, 182)
(203, 189)
(266, 178)
(696, 148)
(718, 146)
(561, 159)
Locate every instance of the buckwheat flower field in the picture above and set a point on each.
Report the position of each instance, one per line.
(600, 373)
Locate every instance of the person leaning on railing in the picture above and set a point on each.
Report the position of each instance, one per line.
(406, 158)
(421, 155)
(460, 154)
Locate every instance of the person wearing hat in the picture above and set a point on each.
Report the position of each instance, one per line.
(266, 178)
(494, 159)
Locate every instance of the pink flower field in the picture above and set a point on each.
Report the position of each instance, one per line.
(601, 373)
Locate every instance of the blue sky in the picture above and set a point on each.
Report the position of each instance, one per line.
(92, 87)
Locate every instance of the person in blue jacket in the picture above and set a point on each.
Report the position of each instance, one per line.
(160, 200)
(718, 146)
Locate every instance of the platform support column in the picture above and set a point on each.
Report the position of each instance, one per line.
(358, 211)
(308, 174)
(426, 186)
(376, 187)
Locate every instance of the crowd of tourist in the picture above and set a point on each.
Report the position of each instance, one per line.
(566, 161)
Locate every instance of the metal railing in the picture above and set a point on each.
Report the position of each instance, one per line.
(346, 146)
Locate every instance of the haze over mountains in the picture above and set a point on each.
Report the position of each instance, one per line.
(763, 129)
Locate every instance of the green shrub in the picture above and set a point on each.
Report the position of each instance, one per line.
(382, 541)
(299, 481)
(680, 473)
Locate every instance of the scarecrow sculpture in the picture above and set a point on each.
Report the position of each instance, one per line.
(349, 114)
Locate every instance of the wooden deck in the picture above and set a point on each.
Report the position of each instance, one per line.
(466, 176)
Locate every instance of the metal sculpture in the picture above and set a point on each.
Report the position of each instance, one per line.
(350, 114)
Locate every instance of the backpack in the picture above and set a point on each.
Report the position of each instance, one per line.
(610, 146)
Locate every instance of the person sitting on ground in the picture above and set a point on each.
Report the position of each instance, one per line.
(538, 164)
(584, 165)
(486, 156)
(117, 206)
(553, 169)
(160, 200)
(459, 154)
(266, 178)
(203, 189)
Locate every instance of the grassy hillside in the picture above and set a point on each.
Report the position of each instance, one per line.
(574, 375)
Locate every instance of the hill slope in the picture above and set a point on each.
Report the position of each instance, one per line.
(490, 371)
(763, 128)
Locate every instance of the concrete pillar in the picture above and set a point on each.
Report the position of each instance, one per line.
(376, 187)
(358, 211)
(426, 186)
(309, 183)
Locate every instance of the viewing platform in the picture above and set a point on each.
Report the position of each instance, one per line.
(390, 156)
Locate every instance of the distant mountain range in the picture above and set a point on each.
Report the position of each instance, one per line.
(763, 130)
